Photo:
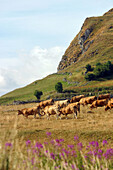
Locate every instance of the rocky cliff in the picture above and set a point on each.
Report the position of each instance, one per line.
(94, 40)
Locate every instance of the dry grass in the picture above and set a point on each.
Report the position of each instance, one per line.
(90, 125)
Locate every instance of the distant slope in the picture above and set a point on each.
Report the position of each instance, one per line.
(94, 43)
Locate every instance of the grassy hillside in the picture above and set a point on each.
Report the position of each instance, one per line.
(94, 43)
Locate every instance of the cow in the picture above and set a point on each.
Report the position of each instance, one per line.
(87, 100)
(72, 108)
(51, 110)
(98, 103)
(46, 103)
(62, 103)
(76, 98)
(103, 96)
(109, 105)
(29, 111)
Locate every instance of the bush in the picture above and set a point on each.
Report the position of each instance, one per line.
(38, 94)
(58, 87)
(88, 68)
(89, 76)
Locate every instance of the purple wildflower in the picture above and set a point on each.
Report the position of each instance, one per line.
(38, 145)
(80, 146)
(105, 142)
(8, 144)
(28, 142)
(48, 133)
(100, 151)
(108, 154)
(73, 153)
(71, 146)
(73, 166)
(52, 142)
(52, 155)
(57, 140)
(94, 144)
(76, 138)
(61, 140)
(46, 143)
(33, 160)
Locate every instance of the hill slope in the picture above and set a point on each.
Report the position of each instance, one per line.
(94, 43)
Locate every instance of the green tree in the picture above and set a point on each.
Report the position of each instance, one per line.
(89, 76)
(59, 87)
(88, 68)
(38, 94)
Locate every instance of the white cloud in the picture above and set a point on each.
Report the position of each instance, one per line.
(28, 67)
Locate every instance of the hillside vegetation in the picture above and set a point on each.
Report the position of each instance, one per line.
(93, 44)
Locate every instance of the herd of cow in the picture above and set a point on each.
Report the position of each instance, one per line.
(65, 107)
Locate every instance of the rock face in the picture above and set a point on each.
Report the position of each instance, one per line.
(90, 41)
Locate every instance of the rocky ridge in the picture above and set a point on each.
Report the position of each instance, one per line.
(90, 41)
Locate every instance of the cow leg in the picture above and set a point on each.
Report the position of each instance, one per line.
(75, 114)
(66, 116)
(39, 115)
(48, 116)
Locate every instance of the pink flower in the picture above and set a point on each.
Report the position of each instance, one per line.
(48, 133)
(28, 142)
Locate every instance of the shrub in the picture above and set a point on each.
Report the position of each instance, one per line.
(88, 68)
(89, 76)
(58, 87)
(38, 94)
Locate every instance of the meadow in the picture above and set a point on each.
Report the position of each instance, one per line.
(59, 144)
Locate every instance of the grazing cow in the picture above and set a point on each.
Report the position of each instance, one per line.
(46, 103)
(98, 103)
(62, 103)
(29, 111)
(51, 110)
(87, 100)
(72, 108)
(103, 96)
(109, 105)
(76, 98)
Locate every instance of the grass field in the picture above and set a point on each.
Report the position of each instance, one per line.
(95, 125)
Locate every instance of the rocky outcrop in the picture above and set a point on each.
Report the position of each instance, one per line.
(90, 41)
(76, 49)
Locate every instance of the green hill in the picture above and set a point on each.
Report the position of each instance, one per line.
(94, 43)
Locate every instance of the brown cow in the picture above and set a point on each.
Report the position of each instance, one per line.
(62, 103)
(72, 108)
(109, 105)
(46, 103)
(98, 103)
(29, 111)
(87, 100)
(76, 98)
(51, 110)
(103, 96)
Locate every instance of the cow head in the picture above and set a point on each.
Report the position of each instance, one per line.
(20, 112)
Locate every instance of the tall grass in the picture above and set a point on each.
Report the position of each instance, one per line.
(16, 154)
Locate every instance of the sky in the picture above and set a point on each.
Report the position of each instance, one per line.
(34, 35)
